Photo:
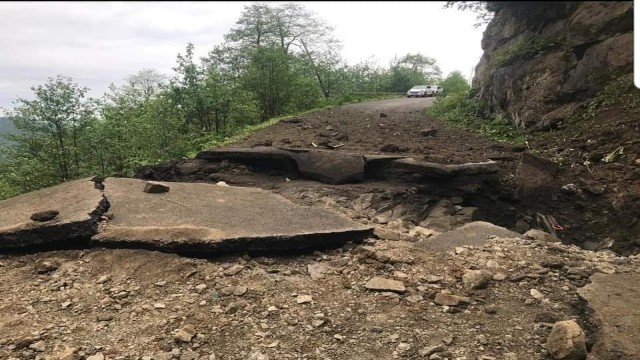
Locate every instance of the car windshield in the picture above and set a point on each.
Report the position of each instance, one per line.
(419, 87)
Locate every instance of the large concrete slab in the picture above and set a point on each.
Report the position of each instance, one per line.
(445, 170)
(615, 298)
(323, 165)
(78, 202)
(476, 233)
(194, 217)
(329, 166)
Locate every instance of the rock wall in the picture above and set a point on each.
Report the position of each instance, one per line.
(537, 69)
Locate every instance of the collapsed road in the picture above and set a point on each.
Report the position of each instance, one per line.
(423, 249)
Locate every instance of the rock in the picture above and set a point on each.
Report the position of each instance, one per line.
(46, 267)
(317, 323)
(200, 288)
(476, 279)
(403, 347)
(571, 189)
(522, 226)
(234, 270)
(445, 299)
(39, 346)
(68, 353)
(304, 299)
(317, 271)
(383, 115)
(567, 341)
(539, 235)
(44, 216)
(186, 333)
(536, 294)
(382, 284)
(421, 231)
(97, 356)
(338, 337)
(102, 279)
(387, 234)
(222, 183)
(105, 317)
(499, 277)
(154, 187)
(239, 290)
(414, 298)
(428, 132)
(390, 148)
(431, 350)
(159, 306)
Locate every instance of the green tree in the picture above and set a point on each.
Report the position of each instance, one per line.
(52, 129)
(455, 83)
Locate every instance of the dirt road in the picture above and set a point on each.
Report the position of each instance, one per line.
(392, 126)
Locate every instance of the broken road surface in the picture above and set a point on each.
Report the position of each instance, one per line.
(206, 217)
(78, 204)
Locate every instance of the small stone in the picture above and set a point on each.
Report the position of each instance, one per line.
(338, 337)
(459, 250)
(317, 323)
(540, 235)
(303, 299)
(445, 299)
(154, 187)
(161, 283)
(102, 279)
(382, 284)
(536, 294)
(68, 353)
(482, 339)
(606, 268)
(272, 309)
(428, 132)
(66, 304)
(44, 216)
(186, 333)
(402, 347)
(39, 346)
(421, 231)
(567, 341)
(431, 350)
(492, 264)
(200, 288)
(317, 271)
(46, 267)
(97, 356)
(400, 275)
(448, 340)
(240, 290)
(499, 277)
(159, 306)
(105, 317)
(235, 269)
(431, 279)
(490, 310)
(476, 279)
(222, 183)
(414, 298)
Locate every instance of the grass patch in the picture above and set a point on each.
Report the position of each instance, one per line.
(526, 47)
(465, 113)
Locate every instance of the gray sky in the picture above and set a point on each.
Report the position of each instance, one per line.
(99, 43)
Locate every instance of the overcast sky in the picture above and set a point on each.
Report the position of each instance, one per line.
(98, 43)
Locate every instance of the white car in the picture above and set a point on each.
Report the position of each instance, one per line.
(425, 90)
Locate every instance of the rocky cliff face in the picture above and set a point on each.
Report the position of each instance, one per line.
(539, 68)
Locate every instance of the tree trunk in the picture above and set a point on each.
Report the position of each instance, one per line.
(325, 91)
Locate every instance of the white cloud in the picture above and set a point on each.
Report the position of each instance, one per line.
(101, 43)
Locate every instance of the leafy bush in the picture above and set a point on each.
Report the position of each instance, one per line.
(465, 112)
